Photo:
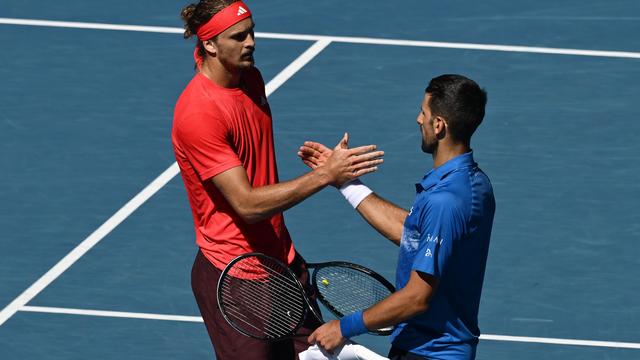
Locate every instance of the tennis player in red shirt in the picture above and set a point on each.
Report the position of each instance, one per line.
(223, 142)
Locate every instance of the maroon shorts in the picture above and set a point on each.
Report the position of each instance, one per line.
(230, 344)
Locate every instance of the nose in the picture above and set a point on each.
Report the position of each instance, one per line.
(419, 119)
(250, 42)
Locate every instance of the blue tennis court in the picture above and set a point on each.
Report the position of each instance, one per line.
(96, 234)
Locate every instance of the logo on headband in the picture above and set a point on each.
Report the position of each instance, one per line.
(241, 11)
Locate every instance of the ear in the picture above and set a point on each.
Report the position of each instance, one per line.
(439, 126)
(210, 47)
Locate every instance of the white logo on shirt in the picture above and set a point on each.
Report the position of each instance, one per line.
(241, 11)
(428, 253)
(434, 239)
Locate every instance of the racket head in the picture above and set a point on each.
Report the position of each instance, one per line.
(345, 288)
(260, 297)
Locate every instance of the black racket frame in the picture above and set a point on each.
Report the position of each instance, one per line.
(346, 264)
(309, 307)
(306, 309)
(317, 266)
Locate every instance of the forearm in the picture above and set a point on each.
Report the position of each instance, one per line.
(259, 203)
(254, 204)
(397, 308)
(400, 306)
(384, 216)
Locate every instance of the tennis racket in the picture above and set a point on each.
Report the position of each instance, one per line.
(261, 297)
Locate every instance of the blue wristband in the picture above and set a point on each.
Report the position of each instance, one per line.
(352, 325)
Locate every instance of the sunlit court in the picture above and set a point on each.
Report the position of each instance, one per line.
(96, 233)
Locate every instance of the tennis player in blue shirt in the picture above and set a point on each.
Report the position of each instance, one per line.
(443, 239)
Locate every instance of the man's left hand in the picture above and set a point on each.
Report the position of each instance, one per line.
(314, 154)
(327, 336)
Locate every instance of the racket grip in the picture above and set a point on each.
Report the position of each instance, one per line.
(352, 325)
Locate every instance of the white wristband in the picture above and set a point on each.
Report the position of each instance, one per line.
(355, 191)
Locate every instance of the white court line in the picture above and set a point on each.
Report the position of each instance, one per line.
(117, 314)
(321, 43)
(138, 200)
(540, 340)
(342, 39)
(526, 339)
(88, 243)
(296, 65)
(95, 26)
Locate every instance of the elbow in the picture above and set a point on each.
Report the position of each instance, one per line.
(416, 308)
(395, 238)
(396, 229)
(395, 235)
(419, 303)
(420, 307)
(252, 219)
(248, 209)
(418, 293)
(249, 215)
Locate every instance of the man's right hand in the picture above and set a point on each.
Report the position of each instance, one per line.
(341, 164)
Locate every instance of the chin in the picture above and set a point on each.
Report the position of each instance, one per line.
(427, 148)
(246, 65)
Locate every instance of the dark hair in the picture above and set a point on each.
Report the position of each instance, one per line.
(460, 101)
(195, 15)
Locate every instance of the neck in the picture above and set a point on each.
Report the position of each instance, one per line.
(216, 72)
(446, 152)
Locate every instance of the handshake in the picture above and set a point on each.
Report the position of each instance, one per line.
(340, 165)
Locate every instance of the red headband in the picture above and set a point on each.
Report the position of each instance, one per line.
(220, 22)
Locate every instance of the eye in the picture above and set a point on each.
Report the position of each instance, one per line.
(240, 36)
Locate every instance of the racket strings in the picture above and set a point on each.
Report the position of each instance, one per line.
(256, 288)
(268, 320)
(261, 298)
(247, 268)
(267, 330)
(348, 290)
(284, 285)
(265, 286)
(239, 311)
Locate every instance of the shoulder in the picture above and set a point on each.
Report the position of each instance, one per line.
(191, 100)
(196, 102)
(437, 203)
(442, 199)
(198, 122)
(481, 176)
(457, 186)
(460, 177)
